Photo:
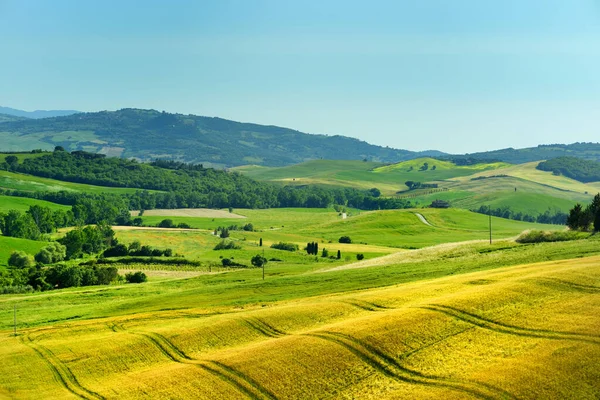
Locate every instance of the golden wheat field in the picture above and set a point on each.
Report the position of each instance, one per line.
(526, 331)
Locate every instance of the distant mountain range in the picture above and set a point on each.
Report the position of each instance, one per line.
(150, 134)
(37, 113)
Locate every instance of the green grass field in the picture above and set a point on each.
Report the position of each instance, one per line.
(359, 174)
(432, 311)
(471, 321)
(537, 191)
(9, 244)
(22, 204)
(17, 181)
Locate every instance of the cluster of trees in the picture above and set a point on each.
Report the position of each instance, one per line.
(182, 186)
(27, 275)
(165, 223)
(573, 167)
(88, 240)
(135, 249)
(312, 248)
(412, 185)
(44, 270)
(285, 246)
(227, 245)
(35, 222)
(548, 217)
(587, 218)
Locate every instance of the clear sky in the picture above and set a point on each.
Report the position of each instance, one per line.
(453, 75)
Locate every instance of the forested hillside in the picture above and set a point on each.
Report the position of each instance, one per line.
(179, 185)
(574, 168)
(149, 134)
(590, 151)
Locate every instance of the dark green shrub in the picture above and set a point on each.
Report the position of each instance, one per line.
(166, 223)
(136, 277)
(360, 256)
(116, 251)
(258, 261)
(285, 246)
(227, 245)
(345, 239)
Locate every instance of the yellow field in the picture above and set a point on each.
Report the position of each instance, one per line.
(529, 331)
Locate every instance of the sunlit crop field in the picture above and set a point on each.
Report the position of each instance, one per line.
(525, 331)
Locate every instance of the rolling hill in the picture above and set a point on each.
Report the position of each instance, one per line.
(36, 114)
(471, 186)
(149, 134)
(590, 151)
(468, 321)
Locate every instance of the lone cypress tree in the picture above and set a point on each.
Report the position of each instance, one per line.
(339, 255)
(260, 242)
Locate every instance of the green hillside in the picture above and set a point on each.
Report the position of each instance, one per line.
(17, 181)
(189, 138)
(389, 178)
(470, 187)
(23, 204)
(590, 151)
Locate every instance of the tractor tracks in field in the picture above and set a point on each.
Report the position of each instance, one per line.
(570, 285)
(263, 328)
(489, 324)
(390, 367)
(241, 382)
(367, 306)
(61, 372)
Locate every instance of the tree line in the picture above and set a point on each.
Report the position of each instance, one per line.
(585, 219)
(548, 217)
(181, 185)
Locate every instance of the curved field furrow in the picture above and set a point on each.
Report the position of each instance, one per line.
(367, 306)
(62, 373)
(572, 285)
(241, 382)
(391, 368)
(511, 329)
(263, 328)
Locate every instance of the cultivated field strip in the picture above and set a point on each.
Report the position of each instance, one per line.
(393, 369)
(227, 374)
(486, 323)
(61, 372)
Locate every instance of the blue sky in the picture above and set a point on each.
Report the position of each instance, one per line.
(457, 76)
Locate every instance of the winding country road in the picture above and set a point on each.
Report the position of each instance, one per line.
(422, 218)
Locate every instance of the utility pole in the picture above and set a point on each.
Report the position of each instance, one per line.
(490, 217)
